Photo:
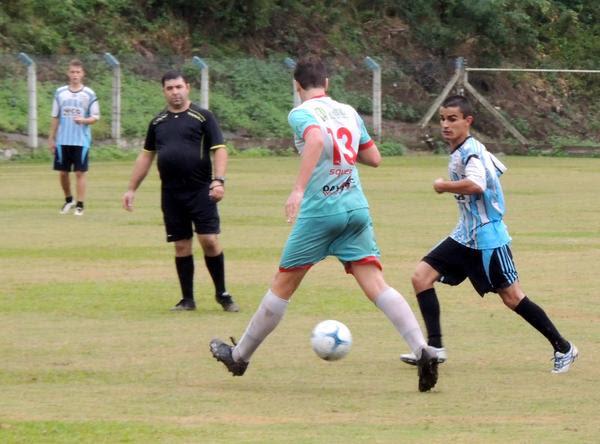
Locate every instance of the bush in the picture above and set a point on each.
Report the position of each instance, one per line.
(391, 148)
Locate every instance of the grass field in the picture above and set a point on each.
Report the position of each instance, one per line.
(89, 352)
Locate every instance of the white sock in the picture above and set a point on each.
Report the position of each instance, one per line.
(267, 316)
(399, 312)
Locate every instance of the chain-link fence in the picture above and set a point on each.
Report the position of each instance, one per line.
(252, 97)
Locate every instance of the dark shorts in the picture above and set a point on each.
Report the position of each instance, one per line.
(488, 270)
(182, 208)
(71, 158)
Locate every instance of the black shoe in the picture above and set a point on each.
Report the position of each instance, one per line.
(227, 302)
(222, 352)
(427, 365)
(185, 305)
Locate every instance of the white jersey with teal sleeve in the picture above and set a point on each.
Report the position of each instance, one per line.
(334, 186)
(480, 223)
(69, 104)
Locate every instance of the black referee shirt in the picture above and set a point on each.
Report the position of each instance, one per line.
(183, 142)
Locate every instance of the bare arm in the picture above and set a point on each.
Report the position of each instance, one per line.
(217, 188)
(370, 156)
(463, 186)
(86, 120)
(52, 134)
(313, 147)
(140, 170)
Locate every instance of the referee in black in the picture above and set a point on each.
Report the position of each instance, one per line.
(186, 137)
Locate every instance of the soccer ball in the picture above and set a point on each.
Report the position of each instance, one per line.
(331, 340)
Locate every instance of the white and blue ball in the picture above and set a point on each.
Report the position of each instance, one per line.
(331, 340)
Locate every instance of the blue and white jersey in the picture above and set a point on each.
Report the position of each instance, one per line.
(69, 104)
(480, 223)
(334, 186)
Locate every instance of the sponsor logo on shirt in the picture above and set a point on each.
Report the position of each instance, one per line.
(330, 190)
(71, 111)
(340, 171)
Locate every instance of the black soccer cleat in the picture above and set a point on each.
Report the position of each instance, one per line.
(222, 352)
(427, 365)
(227, 302)
(185, 305)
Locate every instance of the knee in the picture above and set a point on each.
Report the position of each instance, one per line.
(284, 285)
(211, 246)
(511, 298)
(420, 282)
(183, 249)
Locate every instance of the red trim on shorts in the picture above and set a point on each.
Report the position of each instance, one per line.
(308, 128)
(300, 267)
(365, 260)
(366, 146)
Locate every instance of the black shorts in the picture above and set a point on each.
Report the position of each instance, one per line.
(488, 270)
(71, 158)
(182, 208)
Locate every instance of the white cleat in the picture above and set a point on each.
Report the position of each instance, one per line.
(411, 359)
(563, 361)
(67, 207)
(78, 211)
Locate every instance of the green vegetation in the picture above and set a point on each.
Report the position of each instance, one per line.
(90, 352)
(245, 43)
(565, 31)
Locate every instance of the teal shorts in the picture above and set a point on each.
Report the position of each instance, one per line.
(348, 236)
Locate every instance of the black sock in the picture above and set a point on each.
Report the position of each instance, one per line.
(534, 314)
(430, 309)
(216, 268)
(69, 199)
(185, 271)
(79, 204)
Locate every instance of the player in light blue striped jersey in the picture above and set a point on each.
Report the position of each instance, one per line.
(478, 248)
(74, 108)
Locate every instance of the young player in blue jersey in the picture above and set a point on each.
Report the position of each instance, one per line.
(331, 218)
(74, 108)
(478, 248)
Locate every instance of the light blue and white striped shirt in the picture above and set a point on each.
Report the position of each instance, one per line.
(66, 106)
(480, 223)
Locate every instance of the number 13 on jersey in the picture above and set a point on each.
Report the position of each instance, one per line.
(344, 136)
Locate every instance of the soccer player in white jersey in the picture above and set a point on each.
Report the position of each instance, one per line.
(74, 108)
(330, 217)
(478, 248)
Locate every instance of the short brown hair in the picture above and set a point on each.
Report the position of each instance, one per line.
(310, 72)
(76, 62)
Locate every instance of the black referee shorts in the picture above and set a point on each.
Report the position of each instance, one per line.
(183, 208)
(488, 270)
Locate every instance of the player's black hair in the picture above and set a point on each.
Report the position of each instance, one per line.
(172, 75)
(459, 102)
(310, 72)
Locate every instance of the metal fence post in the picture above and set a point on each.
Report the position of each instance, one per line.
(459, 66)
(374, 66)
(459, 73)
(290, 64)
(32, 129)
(116, 97)
(203, 66)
